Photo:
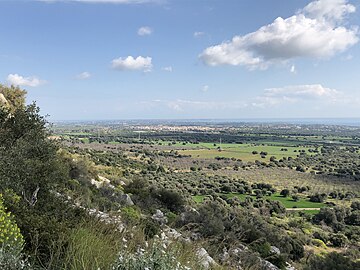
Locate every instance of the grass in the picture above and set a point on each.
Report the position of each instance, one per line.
(92, 246)
(288, 202)
(241, 151)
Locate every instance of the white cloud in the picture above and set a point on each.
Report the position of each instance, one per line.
(131, 63)
(198, 34)
(296, 93)
(144, 31)
(17, 80)
(317, 31)
(168, 69)
(83, 76)
(302, 91)
(205, 88)
(293, 69)
(333, 10)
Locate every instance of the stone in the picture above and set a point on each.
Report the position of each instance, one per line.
(159, 217)
(275, 250)
(205, 259)
(126, 200)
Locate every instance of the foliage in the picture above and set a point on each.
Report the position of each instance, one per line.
(92, 245)
(13, 260)
(10, 236)
(157, 257)
(131, 215)
(14, 96)
(332, 261)
(28, 160)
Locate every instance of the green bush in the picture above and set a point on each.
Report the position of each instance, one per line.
(10, 236)
(131, 215)
(318, 243)
(332, 261)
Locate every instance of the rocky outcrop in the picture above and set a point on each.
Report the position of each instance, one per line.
(103, 182)
(205, 259)
(3, 101)
(126, 200)
(159, 217)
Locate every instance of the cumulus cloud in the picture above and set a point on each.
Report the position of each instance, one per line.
(83, 76)
(144, 31)
(130, 63)
(317, 31)
(17, 80)
(333, 10)
(296, 93)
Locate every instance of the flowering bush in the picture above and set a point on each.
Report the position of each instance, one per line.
(10, 236)
(11, 242)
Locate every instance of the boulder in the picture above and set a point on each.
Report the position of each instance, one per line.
(205, 259)
(126, 200)
(159, 217)
(275, 250)
(3, 100)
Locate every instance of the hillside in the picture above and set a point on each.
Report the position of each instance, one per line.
(121, 206)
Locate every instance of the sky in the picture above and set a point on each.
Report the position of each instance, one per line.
(183, 59)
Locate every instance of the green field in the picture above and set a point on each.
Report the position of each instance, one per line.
(288, 202)
(240, 151)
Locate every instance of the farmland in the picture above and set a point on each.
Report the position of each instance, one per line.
(288, 202)
(295, 183)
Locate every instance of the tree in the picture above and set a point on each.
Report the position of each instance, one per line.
(355, 205)
(28, 159)
(14, 97)
(318, 197)
(285, 192)
(353, 218)
(338, 240)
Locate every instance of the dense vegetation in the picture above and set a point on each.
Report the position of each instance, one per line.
(79, 201)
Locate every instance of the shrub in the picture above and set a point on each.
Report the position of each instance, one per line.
(355, 205)
(13, 260)
(285, 192)
(130, 215)
(171, 199)
(11, 242)
(318, 197)
(354, 218)
(318, 243)
(338, 240)
(156, 257)
(331, 261)
(10, 236)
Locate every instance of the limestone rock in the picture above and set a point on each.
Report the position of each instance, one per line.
(205, 259)
(126, 200)
(160, 217)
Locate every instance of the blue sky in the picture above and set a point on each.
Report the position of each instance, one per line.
(151, 59)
